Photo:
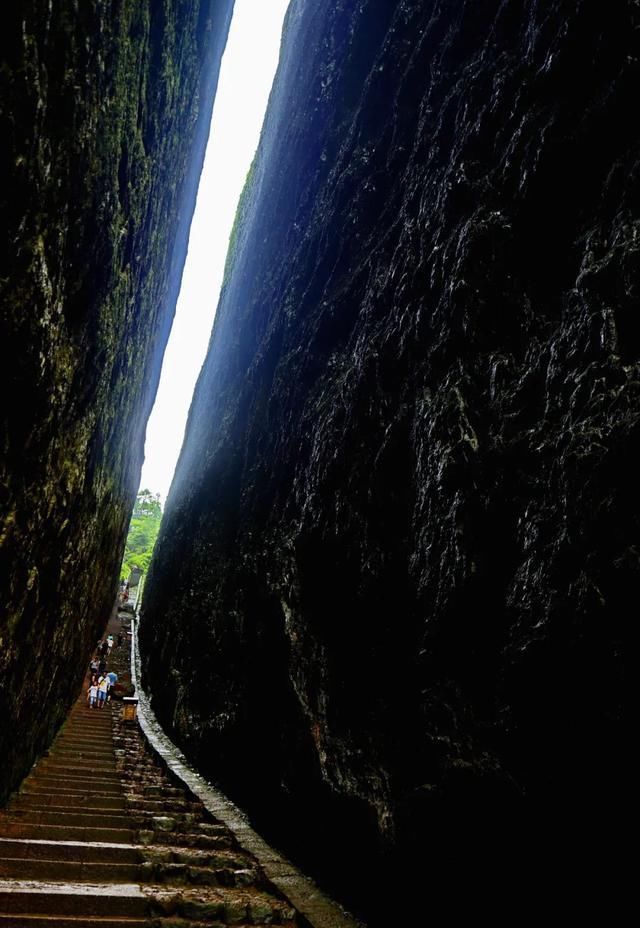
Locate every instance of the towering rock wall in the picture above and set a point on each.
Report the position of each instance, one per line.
(105, 115)
(403, 537)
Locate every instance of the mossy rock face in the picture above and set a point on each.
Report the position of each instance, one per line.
(105, 112)
(403, 536)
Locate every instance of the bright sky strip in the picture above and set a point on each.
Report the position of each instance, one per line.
(246, 75)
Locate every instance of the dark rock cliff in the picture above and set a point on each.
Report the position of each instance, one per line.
(105, 111)
(403, 537)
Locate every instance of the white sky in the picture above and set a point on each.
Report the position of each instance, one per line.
(246, 76)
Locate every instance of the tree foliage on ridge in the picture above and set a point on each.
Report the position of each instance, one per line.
(143, 531)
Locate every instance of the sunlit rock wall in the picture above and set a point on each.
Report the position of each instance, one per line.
(403, 538)
(104, 117)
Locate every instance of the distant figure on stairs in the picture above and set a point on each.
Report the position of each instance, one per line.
(92, 694)
(103, 689)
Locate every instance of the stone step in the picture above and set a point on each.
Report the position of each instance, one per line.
(88, 819)
(98, 816)
(45, 802)
(95, 724)
(102, 749)
(168, 806)
(76, 770)
(167, 818)
(98, 740)
(185, 840)
(73, 756)
(56, 921)
(230, 906)
(88, 852)
(74, 737)
(187, 875)
(92, 729)
(81, 776)
(17, 829)
(69, 870)
(64, 899)
(53, 921)
(53, 787)
(82, 709)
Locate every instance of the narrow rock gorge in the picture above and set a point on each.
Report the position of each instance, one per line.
(105, 112)
(403, 538)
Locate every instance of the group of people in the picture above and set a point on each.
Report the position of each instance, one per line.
(102, 681)
(98, 691)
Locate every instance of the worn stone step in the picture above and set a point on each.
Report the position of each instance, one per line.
(181, 823)
(87, 740)
(187, 840)
(76, 758)
(81, 776)
(70, 803)
(47, 921)
(82, 710)
(86, 720)
(56, 921)
(88, 819)
(101, 834)
(89, 731)
(95, 725)
(69, 870)
(89, 852)
(166, 819)
(82, 744)
(177, 874)
(85, 771)
(58, 788)
(17, 829)
(230, 906)
(72, 752)
(55, 785)
(74, 761)
(101, 739)
(168, 806)
(64, 899)
(141, 773)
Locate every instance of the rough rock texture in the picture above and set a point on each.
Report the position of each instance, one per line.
(403, 537)
(105, 110)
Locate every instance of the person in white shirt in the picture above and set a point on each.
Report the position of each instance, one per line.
(92, 694)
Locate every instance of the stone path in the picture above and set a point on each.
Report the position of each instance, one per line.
(102, 833)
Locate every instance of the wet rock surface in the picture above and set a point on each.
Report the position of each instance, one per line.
(104, 118)
(402, 541)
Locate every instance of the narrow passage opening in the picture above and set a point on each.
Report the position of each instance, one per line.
(247, 71)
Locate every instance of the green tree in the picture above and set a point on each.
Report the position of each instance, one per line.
(143, 531)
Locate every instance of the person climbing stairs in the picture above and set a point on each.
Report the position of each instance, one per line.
(101, 833)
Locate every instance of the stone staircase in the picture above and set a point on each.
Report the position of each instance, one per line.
(101, 833)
